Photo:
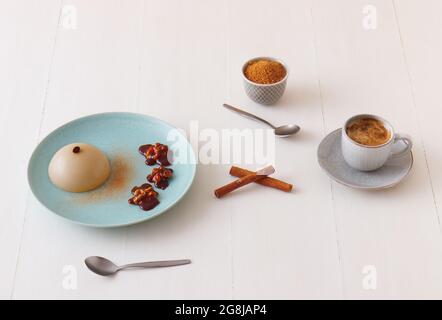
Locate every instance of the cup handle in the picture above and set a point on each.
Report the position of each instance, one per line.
(408, 144)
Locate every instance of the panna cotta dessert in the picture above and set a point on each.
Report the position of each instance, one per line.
(79, 167)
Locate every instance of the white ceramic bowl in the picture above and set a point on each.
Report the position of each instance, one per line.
(266, 94)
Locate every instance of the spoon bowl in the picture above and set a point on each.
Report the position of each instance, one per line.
(101, 266)
(287, 130)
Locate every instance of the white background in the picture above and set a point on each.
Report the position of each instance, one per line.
(179, 61)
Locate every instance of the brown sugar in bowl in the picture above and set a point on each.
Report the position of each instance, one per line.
(265, 93)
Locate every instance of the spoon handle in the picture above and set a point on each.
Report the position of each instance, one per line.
(156, 264)
(247, 115)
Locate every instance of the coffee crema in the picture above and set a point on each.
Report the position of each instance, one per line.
(368, 131)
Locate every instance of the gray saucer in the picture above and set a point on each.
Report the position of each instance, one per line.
(331, 160)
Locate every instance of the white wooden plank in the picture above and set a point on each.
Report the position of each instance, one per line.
(95, 69)
(27, 30)
(184, 65)
(420, 29)
(395, 230)
(118, 85)
(284, 245)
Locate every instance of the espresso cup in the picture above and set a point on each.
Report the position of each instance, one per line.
(368, 158)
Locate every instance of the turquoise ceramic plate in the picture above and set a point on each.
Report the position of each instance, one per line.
(119, 135)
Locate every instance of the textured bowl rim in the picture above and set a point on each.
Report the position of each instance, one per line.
(265, 84)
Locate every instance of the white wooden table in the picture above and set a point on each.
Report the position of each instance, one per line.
(179, 61)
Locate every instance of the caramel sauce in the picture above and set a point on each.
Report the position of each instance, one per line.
(160, 177)
(155, 154)
(144, 196)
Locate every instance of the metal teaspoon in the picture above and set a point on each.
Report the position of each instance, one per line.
(105, 267)
(282, 131)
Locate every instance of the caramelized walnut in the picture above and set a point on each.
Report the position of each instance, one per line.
(144, 196)
(160, 176)
(155, 154)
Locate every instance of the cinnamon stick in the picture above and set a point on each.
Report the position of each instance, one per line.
(266, 181)
(246, 179)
